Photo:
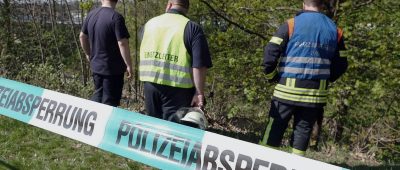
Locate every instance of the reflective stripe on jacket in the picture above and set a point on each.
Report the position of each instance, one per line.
(291, 90)
(311, 47)
(305, 67)
(163, 56)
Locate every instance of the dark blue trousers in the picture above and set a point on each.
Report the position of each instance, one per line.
(162, 101)
(304, 119)
(108, 89)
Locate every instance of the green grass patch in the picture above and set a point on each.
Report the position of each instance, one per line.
(23, 146)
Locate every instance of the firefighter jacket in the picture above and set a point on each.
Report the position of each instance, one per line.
(303, 56)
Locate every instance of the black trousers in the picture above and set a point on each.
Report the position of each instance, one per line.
(162, 101)
(108, 89)
(304, 119)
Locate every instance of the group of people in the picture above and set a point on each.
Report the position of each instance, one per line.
(302, 58)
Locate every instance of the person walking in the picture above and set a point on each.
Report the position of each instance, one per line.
(309, 45)
(174, 58)
(104, 39)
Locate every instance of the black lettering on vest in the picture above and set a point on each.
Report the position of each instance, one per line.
(223, 158)
(210, 157)
(144, 138)
(67, 125)
(157, 55)
(12, 101)
(170, 57)
(59, 113)
(79, 120)
(42, 107)
(244, 159)
(35, 104)
(123, 130)
(89, 127)
(27, 106)
(277, 167)
(162, 148)
(174, 149)
(50, 110)
(195, 156)
(20, 102)
(258, 163)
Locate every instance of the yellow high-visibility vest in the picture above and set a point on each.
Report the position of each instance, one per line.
(164, 58)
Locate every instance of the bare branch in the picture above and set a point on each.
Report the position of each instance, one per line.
(232, 22)
(269, 9)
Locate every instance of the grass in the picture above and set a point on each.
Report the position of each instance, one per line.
(23, 146)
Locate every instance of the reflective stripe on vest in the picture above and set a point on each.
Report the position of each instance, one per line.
(290, 92)
(163, 56)
(310, 48)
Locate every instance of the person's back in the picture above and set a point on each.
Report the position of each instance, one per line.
(103, 35)
(174, 58)
(303, 57)
(104, 39)
(311, 47)
(163, 40)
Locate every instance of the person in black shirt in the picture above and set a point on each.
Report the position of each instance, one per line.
(104, 39)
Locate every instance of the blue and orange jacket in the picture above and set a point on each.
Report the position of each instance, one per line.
(303, 56)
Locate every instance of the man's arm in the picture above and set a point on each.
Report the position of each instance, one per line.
(339, 63)
(122, 35)
(125, 53)
(273, 51)
(199, 79)
(84, 39)
(197, 46)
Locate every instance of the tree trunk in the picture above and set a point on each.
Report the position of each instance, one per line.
(136, 61)
(37, 28)
(82, 58)
(6, 13)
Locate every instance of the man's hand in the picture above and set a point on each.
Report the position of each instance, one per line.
(129, 71)
(125, 53)
(198, 101)
(88, 58)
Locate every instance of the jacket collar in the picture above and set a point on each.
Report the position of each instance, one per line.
(175, 11)
(307, 11)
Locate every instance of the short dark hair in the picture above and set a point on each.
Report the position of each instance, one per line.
(315, 3)
(183, 3)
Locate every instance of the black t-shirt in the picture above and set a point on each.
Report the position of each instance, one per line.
(195, 42)
(105, 27)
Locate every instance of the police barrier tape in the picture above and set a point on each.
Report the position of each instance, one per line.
(152, 141)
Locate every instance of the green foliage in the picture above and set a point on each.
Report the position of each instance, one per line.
(362, 117)
(86, 6)
(370, 89)
(361, 102)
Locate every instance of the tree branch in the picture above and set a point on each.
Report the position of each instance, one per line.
(232, 22)
(270, 9)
